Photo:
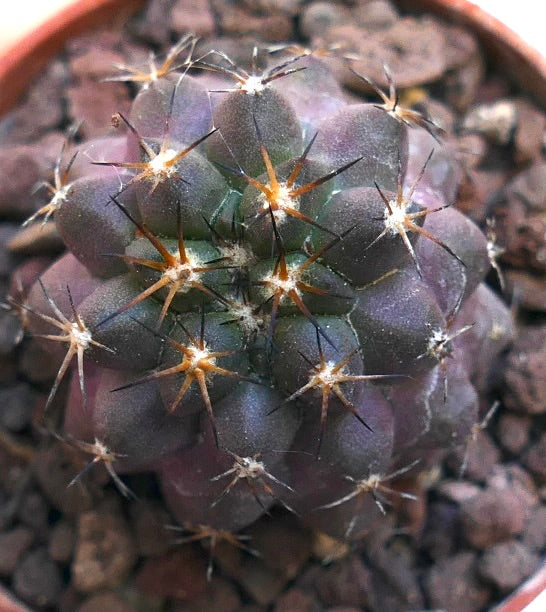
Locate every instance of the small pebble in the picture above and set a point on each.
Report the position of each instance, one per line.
(495, 121)
(513, 432)
(530, 132)
(413, 48)
(195, 16)
(526, 372)
(529, 292)
(462, 85)
(440, 533)
(54, 472)
(528, 185)
(458, 491)
(491, 516)
(513, 477)
(37, 578)
(41, 108)
(394, 581)
(105, 553)
(62, 541)
(481, 455)
(479, 186)
(462, 46)
(376, 14)
(22, 167)
(534, 534)
(237, 20)
(521, 223)
(34, 512)
(452, 584)
(318, 17)
(17, 405)
(155, 22)
(13, 544)
(506, 565)
(96, 63)
(535, 459)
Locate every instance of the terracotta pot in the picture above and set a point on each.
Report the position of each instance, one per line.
(25, 60)
(521, 63)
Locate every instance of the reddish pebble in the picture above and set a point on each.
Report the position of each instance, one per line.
(452, 584)
(195, 16)
(37, 579)
(534, 534)
(526, 372)
(105, 552)
(481, 455)
(535, 459)
(506, 565)
(61, 542)
(513, 432)
(13, 544)
(492, 516)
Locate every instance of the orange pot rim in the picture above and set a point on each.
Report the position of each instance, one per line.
(24, 61)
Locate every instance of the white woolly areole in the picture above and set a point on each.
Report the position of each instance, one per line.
(158, 164)
(396, 218)
(82, 337)
(252, 85)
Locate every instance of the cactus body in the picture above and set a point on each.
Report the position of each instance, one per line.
(273, 292)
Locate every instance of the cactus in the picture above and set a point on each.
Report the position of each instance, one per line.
(266, 299)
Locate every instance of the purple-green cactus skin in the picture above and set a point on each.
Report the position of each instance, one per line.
(273, 302)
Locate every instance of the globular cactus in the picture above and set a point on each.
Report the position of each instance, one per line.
(266, 298)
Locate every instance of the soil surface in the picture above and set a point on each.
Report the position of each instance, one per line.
(478, 528)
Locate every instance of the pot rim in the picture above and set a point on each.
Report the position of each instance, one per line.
(23, 61)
